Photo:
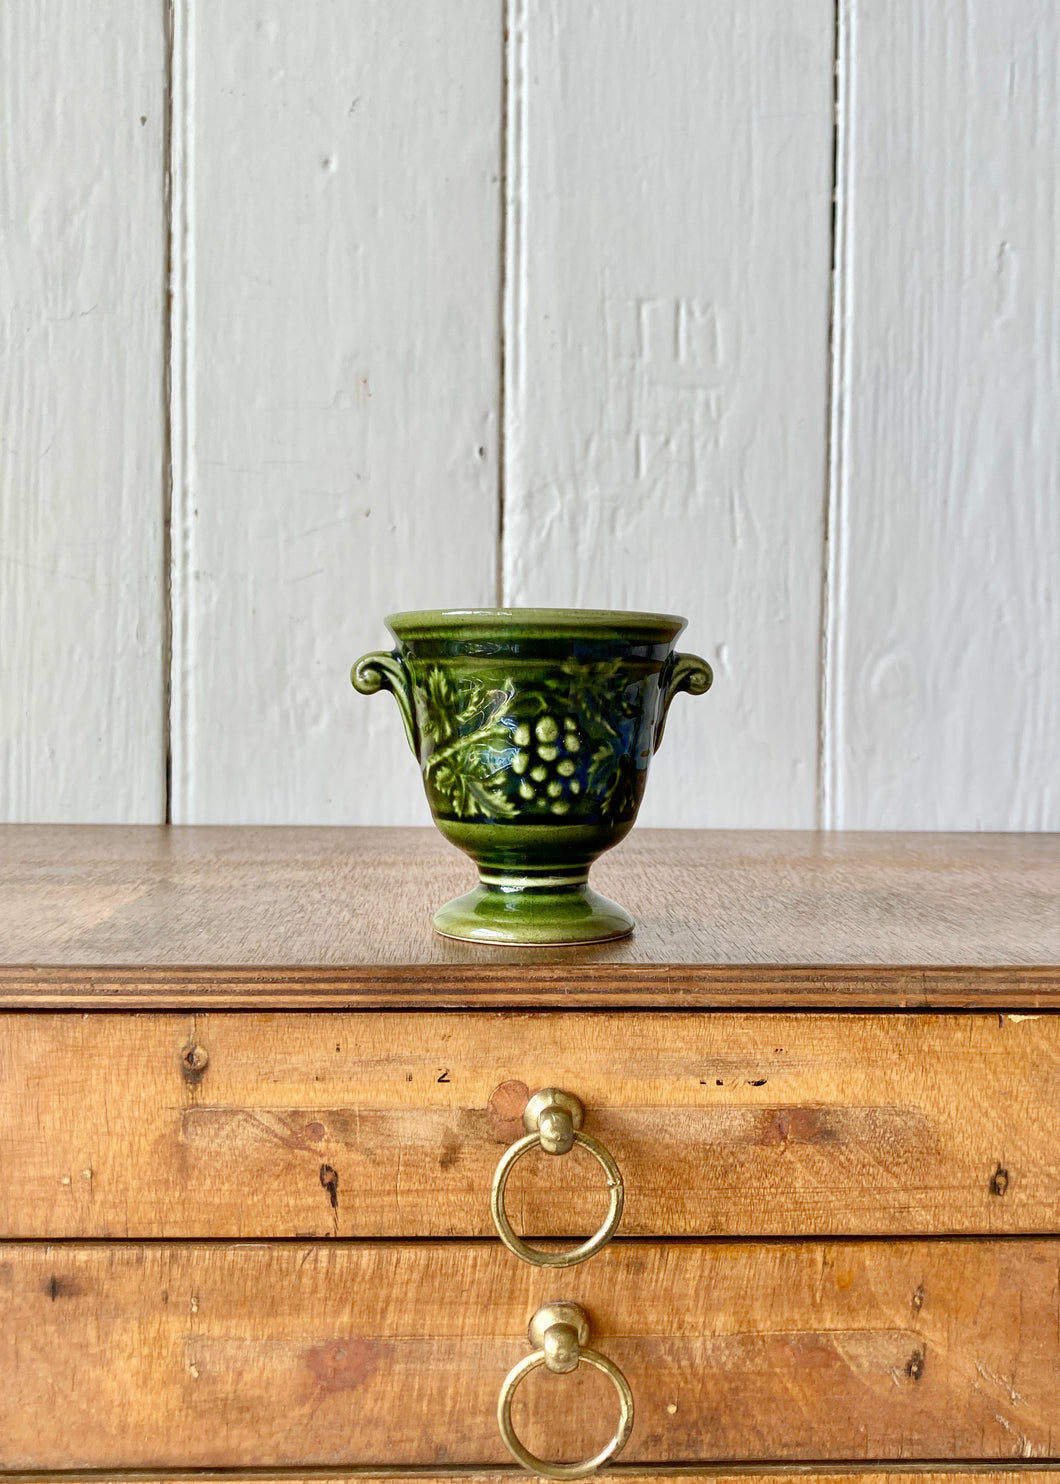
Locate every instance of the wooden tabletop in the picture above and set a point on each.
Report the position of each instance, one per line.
(98, 916)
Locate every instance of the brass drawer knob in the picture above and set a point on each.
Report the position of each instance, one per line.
(553, 1122)
(558, 1333)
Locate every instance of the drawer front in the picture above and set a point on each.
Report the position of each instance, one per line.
(390, 1125)
(230, 1355)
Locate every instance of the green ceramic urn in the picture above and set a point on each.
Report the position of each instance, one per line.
(533, 728)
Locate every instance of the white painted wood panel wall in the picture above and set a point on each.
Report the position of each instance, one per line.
(314, 312)
(82, 411)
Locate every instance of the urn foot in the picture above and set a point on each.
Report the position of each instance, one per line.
(533, 916)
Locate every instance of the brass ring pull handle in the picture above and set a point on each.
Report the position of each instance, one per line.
(553, 1123)
(559, 1333)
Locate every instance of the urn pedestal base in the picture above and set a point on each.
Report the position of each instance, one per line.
(502, 911)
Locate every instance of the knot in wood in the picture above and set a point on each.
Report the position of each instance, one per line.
(194, 1060)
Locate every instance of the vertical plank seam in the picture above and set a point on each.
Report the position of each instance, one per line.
(180, 369)
(167, 418)
(513, 275)
(830, 794)
(503, 337)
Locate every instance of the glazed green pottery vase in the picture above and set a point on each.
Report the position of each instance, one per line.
(533, 728)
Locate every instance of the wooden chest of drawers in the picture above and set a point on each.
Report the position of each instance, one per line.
(251, 1110)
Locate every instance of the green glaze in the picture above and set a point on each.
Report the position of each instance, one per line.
(533, 728)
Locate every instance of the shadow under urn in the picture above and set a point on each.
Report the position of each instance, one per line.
(533, 728)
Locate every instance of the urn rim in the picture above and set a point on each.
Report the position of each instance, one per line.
(575, 623)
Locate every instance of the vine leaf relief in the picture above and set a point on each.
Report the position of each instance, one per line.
(465, 721)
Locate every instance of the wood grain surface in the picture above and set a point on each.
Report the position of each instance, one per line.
(391, 1124)
(727, 1473)
(215, 1355)
(342, 917)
